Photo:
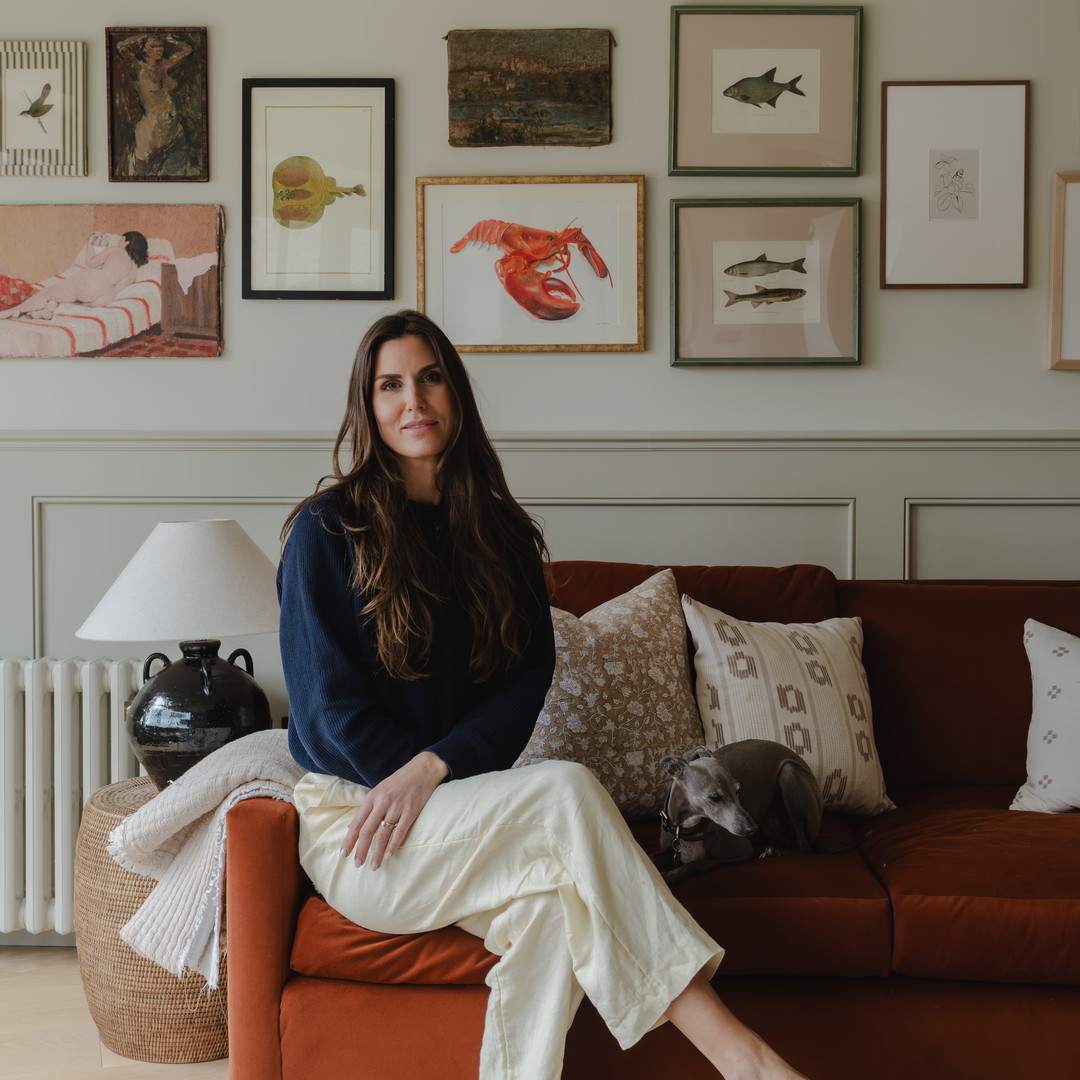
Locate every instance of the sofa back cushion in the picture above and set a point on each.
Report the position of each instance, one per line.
(949, 676)
(800, 593)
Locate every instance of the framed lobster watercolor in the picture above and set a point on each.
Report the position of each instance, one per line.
(533, 263)
(763, 90)
(318, 189)
(765, 281)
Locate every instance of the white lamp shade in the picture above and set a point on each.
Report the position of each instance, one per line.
(190, 579)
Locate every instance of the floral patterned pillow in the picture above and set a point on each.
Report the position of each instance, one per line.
(14, 291)
(621, 697)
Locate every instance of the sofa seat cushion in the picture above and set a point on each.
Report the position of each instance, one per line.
(978, 891)
(818, 915)
(329, 946)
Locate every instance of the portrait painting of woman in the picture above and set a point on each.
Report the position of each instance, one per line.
(157, 103)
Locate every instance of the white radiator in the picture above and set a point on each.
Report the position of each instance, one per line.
(61, 738)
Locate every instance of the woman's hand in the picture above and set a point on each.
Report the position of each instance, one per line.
(397, 801)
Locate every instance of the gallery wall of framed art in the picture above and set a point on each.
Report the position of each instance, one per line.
(704, 103)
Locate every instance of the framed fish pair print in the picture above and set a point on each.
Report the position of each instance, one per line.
(765, 90)
(768, 282)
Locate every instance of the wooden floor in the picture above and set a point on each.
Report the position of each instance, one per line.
(46, 1032)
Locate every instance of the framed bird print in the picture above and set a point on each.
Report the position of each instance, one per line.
(43, 108)
(758, 90)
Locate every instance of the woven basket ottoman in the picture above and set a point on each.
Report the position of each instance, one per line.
(141, 1010)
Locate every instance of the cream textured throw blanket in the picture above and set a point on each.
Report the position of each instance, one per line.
(178, 837)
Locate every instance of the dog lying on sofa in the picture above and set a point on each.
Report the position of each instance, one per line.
(750, 798)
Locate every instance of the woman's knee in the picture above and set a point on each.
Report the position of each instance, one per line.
(572, 781)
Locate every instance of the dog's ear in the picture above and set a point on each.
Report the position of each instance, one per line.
(675, 766)
(698, 752)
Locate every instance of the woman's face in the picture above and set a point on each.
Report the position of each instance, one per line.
(412, 403)
(154, 49)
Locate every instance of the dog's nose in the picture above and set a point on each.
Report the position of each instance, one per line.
(747, 826)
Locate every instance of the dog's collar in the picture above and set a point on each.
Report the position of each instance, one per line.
(669, 826)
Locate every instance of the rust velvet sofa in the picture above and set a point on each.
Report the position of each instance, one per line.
(947, 944)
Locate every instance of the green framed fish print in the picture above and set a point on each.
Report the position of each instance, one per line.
(765, 90)
(765, 281)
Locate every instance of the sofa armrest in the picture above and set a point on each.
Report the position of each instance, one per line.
(264, 886)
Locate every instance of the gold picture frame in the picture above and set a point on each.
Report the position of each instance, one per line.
(568, 255)
(1064, 330)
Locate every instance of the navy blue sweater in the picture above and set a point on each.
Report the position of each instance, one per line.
(348, 717)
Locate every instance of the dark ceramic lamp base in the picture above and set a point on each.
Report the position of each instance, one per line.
(193, 706)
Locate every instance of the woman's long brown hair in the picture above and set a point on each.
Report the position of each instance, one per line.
(396, 575)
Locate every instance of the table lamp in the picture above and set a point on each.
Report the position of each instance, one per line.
(196, 581)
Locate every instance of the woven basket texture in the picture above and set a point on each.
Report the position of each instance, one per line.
(141, 1010)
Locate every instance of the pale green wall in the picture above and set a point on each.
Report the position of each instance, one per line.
(932, 359)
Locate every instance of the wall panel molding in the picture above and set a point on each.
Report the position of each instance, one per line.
(866, 504)
(153, 508)
(568, 441)
(991, 537)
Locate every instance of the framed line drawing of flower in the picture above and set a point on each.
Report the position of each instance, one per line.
(954, 174)
(758, 90)
(765, 282)
(43, 108)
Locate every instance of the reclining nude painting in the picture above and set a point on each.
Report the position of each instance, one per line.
(132, 281)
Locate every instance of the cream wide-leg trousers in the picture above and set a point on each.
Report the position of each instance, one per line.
(538, 862)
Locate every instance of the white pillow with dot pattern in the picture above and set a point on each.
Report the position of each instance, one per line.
(1053, 747)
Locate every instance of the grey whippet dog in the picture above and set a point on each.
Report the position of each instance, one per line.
(749, 798)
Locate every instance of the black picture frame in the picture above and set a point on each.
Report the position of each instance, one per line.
(309, 232)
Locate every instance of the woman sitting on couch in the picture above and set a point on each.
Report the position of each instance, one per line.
(418, 649)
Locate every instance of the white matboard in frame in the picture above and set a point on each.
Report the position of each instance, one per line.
(43, 108)
(954, 184)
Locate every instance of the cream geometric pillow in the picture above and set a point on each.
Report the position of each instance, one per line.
(1053, 745)
(620, 699)
(799, 684)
